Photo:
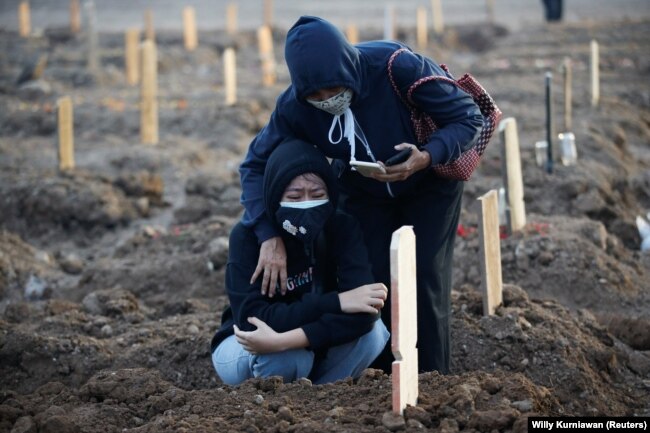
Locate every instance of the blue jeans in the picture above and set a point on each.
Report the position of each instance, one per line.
(234, 364)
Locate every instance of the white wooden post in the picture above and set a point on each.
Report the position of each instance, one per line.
(438, 20)
(421, 24)
(24, 19)
(404, 332)
(231, 18)
(149, 93)
(568, 95)
(513, 174)
(149, 31)
(595, 74)
(131, 61)
(230, 76)
(352, 33)
(189, 28)
(66, 133)
(490, 253)
(268, 13)
(265, 41)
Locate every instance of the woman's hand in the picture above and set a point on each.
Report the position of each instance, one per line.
(273, 262)
(365, 299)
(265, 340)
(419, 160)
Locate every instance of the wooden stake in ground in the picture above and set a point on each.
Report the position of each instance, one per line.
(75, 16)
(230, 76)
(149, 31)
(421, 24)
(491, 283)
(352, 33)
(66, 133)
(595, 74)
(516, 211)
(231, 18)
(548, 81)
(268, 13)
(24, 20)
(265, 41)
(131, 61)
(149, 93)
(568, 96)
(438, 20)
(189, 28)
(489, 8)
(91, 29)
(404, 332)
(389, 22)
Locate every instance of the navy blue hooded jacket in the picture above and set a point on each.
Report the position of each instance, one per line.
(343, 265)
(318, 56)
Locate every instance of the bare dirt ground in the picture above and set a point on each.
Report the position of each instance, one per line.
(111, 276)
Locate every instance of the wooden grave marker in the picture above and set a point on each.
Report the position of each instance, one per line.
(389, 22)
(516, 210)
(595, 74)
(265, 41)
(131, 61)
(75, 16)
(438, 20)
(404, 332)
(268, 13)
(190, 36)
(149, 31)
(149, 93)
(66, 133)
(490, 253)
(231, 18)
(24, 19)
(352, 33)
(421, 25)
(568, 94)
(230, 75)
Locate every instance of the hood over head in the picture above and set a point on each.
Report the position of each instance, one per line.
(292, 158)
(319, 56)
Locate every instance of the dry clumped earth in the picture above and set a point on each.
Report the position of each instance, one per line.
(112, 276)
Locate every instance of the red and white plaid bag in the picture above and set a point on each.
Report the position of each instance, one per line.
(462, 167)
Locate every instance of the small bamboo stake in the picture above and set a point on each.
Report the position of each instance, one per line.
(422, 33)
(149, 94)
(438, 20)
(268, 13)
(489, 7)
(404, 324)
(231, 18)
(93, 59)
(230, 76)
(550, 132)
(389, 22)
(265, 41)
(24, 20)
(149, 31)
(516, 210)
(595, 74)
(490, 255)
(131, 61)
(75, 17)
(352, 33)
(568, 96)
(66, 133)
(189, 28)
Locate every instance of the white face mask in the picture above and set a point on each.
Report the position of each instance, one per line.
(336, 105)
(303, 204)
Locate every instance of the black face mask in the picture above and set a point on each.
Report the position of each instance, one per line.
(304, 223)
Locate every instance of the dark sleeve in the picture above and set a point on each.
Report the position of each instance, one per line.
(247, 301)
(346, 247)
(251, 173)
(455, 113)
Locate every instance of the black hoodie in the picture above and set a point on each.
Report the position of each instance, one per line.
(318, 314)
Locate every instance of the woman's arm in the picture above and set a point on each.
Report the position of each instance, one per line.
(265, 340)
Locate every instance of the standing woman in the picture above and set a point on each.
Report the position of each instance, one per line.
(342, 100)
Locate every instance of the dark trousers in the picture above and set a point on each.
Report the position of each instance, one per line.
(433, 209)
(553, 10)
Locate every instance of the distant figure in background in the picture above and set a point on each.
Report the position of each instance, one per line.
(553, 10)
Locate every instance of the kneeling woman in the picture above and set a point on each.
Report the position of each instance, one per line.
(325, 326)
